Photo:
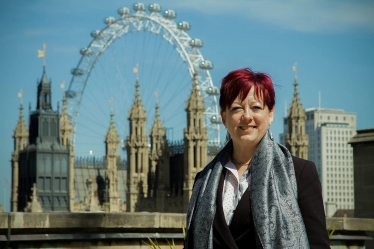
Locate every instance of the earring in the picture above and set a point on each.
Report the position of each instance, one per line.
(271, 135)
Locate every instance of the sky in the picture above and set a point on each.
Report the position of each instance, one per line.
(331, 42)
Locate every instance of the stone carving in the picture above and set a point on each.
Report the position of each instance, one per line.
(34, 206)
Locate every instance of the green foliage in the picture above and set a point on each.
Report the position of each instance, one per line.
(333, 227)
(154, 244)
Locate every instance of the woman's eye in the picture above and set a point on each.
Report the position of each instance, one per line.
(235, 108)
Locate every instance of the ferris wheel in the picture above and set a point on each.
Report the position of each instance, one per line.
(165, 58)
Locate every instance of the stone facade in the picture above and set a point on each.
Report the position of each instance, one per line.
(153, 172)
(158, 178)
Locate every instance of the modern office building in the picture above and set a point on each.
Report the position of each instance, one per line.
(329, 132)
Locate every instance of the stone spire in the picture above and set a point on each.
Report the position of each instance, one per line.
(137, 110)
(44, 98)
(20, 133)
(159, 159)
(195, 140)
(111, 159)
(66, 129)
(21, 137)
(137, 153)
(297, 139)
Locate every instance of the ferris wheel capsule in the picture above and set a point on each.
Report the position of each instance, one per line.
(96, 34)
(70, 94)
(195, 43)
(170, 14)
(76, 72)
(124, 11)
(216, 119)
(207, 65)
(212, 90)
(86, 51)
(109, 20)
(184, 26)
(139, 7)
(154, 7)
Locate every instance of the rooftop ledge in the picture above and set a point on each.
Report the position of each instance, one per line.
(142, 221)
(92, 221)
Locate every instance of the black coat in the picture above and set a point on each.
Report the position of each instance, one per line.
(241, 232)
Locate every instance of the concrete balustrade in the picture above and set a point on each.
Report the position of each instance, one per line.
(131, 230)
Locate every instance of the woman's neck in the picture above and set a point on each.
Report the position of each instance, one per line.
(243, 153)
(242, 156)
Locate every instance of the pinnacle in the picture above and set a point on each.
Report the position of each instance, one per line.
(44, 77)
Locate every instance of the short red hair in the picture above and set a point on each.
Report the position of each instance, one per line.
(239, 83)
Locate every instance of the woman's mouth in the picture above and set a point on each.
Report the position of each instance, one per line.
(247, 128)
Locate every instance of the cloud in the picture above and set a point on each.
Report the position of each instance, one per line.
(299, 15)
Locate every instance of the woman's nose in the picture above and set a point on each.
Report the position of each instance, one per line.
(247, 113)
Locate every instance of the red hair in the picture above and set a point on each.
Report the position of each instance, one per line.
(239, 83)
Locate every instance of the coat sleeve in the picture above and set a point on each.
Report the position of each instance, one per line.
(311, 203)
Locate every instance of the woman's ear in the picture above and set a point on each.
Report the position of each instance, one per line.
(271, 116)
(223, 116)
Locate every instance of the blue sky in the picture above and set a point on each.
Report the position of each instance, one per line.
(331, 41)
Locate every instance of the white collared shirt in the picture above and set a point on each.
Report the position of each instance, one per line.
(233, 189)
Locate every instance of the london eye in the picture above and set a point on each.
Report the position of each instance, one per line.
(164, 57)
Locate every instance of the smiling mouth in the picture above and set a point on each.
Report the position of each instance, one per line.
(247, 128)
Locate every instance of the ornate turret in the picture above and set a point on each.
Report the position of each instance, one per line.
(44, 97)
(111, 158)
(21, 137)
(45, 160)
(66, 128)
(195, 140)
(297, 139)
(137, 153)
(66, 131)
(159, 160)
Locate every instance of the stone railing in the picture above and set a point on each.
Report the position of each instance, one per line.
(131, 230)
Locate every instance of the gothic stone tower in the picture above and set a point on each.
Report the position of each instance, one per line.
(44, 161)
(137, 154)
(66, 130)
(297, 139)
(159, 163)
(21, 137)
(195, 141)
(111, 159)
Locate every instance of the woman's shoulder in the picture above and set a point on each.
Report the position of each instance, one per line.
(299, 162)
(304, 168)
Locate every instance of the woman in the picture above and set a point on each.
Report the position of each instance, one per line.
(254, 194)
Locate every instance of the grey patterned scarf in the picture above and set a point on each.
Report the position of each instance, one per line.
(276, 214)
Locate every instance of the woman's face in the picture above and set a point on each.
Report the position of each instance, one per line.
(247, 121)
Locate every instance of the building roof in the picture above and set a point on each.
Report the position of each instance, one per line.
(328, 110)
(347, 213)
(363, 136)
